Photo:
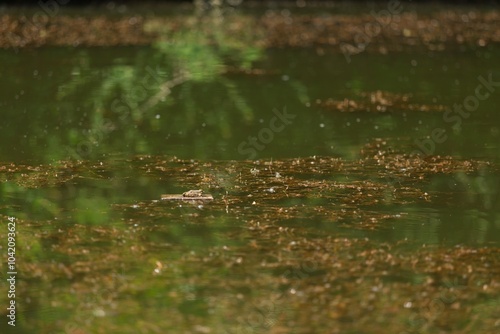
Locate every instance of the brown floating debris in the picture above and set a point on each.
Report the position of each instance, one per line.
(440, 30)
(378, 101)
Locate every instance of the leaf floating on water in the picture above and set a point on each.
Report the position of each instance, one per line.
(180, 197)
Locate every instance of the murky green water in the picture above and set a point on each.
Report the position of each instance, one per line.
(211, 120)
(108, 106)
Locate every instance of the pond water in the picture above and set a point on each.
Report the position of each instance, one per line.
(333, 211)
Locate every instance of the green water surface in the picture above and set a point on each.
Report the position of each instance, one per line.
(94, 104)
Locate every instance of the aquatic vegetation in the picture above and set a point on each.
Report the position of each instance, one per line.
(262, 282)
(436, 30)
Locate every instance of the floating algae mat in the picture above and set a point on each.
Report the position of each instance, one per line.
(253, 258)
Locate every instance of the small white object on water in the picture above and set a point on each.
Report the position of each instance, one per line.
(278, 175)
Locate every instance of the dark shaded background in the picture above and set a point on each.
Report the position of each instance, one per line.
(86, 2)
